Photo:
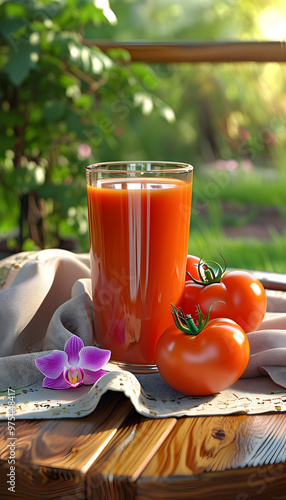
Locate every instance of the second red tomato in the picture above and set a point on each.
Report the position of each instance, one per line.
(241, 297)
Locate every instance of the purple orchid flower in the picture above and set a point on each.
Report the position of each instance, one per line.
(74, 366)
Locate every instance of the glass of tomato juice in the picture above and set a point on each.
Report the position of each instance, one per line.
(139, 219)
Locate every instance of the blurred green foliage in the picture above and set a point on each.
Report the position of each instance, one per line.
(57, 99)
(217, 20)
(65, 104)
(249, 206)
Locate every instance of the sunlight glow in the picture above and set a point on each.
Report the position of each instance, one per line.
(272, 22)
(107, 12)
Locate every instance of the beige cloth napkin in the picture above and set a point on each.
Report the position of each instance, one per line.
(45, 298)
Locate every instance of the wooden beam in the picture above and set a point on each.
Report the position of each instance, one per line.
(215, 52)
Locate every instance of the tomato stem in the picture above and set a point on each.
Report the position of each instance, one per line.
(207, 274)
(185, 322)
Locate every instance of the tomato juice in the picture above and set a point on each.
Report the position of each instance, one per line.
(139, 231)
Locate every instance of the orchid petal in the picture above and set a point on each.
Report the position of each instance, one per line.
(72, 347)
(91, 377)
(93, 358)
(55, 383)
(52, 365)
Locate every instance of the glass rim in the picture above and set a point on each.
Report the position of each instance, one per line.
(174, 167)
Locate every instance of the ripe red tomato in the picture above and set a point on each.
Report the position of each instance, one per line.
(204, 363)
(241, 295)
(192, 267)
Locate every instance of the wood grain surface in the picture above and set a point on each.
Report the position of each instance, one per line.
(114, 453)
(264, 483)
(57, 453)
(220, 443)
(136, 442)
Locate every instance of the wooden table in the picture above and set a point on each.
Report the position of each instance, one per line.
(115, 453)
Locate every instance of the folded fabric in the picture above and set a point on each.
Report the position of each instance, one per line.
(39, 310)
(46, 297)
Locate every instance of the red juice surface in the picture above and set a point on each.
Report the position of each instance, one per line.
(139, 230)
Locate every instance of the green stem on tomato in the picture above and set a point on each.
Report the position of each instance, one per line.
(180, 321)
(185, 322)
(207, 274)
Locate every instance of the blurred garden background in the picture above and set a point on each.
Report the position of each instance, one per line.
(65, 104)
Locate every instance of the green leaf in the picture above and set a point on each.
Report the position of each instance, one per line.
(165, 111)
(119, 54)
(29, 245)
(145, 101)
(59, 42)
(11, 118)
(84, 102)
(146, 75)
(21, 62)
(8, 27)
(89, 60)
(73, 122)
(13, 9)
(59, 174)
(29, 177)
(35, 115)
(89, 13)
(54, 110)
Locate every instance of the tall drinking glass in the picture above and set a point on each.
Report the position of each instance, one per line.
(139, 218)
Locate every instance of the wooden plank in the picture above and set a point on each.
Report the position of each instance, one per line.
(218, 443)
(116, 454)
(173, 52)
(136, 442)
(39, 482)
(69, 443)
(58, 452)
(264, 483)
(133, 446)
